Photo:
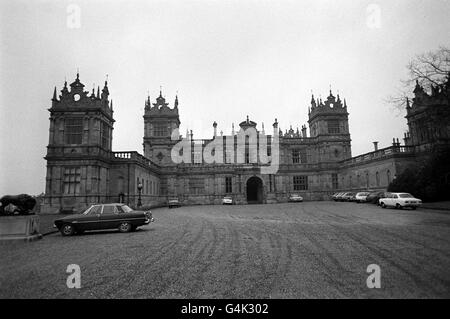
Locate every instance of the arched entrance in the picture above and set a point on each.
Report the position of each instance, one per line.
(254, 190)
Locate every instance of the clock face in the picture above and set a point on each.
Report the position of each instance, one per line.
(76, 97)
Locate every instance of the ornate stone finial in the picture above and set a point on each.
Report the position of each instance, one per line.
(54, 95)
(275, 124)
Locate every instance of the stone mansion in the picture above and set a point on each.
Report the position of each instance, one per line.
(83, 169)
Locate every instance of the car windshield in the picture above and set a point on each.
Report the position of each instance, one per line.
(405, 195)
(227, 197)
(126, 209)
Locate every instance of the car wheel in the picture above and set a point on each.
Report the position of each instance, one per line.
(383, 205)
(125, 227)
(398, 206)
(67, 230)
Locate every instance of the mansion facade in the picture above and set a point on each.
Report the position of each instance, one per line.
(82, 168)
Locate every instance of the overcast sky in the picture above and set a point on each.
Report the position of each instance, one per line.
(226, 59)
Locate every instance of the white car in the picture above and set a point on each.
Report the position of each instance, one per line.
(361, 197)
(227, 200)
(295, 198)
(400, 200)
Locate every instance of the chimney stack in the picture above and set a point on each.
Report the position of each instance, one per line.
(375, 146)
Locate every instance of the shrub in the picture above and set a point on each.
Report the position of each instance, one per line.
(428, 180)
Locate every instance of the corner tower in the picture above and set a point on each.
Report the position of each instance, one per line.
(328, 124)
(79, 148)
(160, 121)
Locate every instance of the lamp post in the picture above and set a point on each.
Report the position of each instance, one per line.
(139, 203)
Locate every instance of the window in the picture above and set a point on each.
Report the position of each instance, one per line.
(105, 135)
(124, 209)
(73, 130)
(197, 185)
(367, 180)
(160, 130)
(299, 156)
(72, 179)
(295, 156)
(334, 181)
(303, 157)
(228, 185)
(109, 210)
(377, 176)
(388, 173)
(94, 210)
(333, 126)
(300, 183)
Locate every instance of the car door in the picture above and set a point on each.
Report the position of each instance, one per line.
(386, 198)
(90, 220)
(395, 199)
(109, 217)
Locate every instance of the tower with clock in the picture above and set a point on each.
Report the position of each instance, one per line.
(79, 148)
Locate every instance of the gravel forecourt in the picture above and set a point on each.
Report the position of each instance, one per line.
(291, 250)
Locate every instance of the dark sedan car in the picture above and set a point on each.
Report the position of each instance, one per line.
(104, 216)
(374, 197)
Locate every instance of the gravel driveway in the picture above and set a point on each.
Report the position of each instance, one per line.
(298, 250)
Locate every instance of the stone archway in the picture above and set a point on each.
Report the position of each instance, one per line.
(254, 190)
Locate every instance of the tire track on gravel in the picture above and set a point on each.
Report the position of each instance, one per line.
(177, 263)
(140, 266)
(387, 258)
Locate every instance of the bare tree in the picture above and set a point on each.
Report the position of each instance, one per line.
(427, 69)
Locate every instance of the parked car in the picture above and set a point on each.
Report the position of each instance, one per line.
(334, 196)
(400, 200)
(104, 216)
(173, 202)
(338, 197)
(361, 197)
(227, 200)
(374, 197)
(347, 197)
(295, 198)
